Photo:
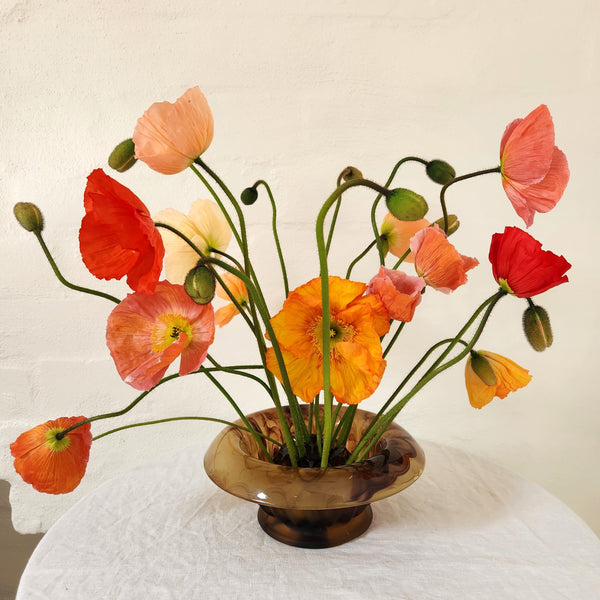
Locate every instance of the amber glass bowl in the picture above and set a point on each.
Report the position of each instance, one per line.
(313, 507)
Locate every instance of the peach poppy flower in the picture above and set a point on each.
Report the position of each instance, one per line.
(51, 465)
(146, 333)
(398, 233)
(117, 235)
(438, 262)
(236, 286)
(356, 358)
(534, 171)
(509, 377)
(204, 225)
(170, 136)
(399, 293)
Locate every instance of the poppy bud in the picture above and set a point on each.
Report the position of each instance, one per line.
(200, 284)
(249, 196)
(536, 324)
(29, 216)
(350, 173)
(440, 171)
(123, 156)
(453, 224)
(482, 368)
(406, 205)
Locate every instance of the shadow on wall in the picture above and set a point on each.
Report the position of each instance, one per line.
(15, 549)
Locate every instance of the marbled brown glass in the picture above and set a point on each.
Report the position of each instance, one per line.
(313, 507)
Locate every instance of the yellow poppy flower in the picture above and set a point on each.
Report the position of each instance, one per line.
(508, 376)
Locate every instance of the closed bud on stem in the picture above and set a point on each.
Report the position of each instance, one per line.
(453, 224)
(123, 156)
(350, 173)
(200, 284)
(249, 196)
(406, 205)
(440, 171)
(482, 368)
(536, 324)
(29, 216)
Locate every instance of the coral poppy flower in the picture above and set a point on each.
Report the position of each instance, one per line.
(356, 358)
(534, 171)
(51, 465)
(170, 136)
(117, 235)
(399, 293)
(236, 286)
(438, 262)
(205, 226)
(520, 265)
(397, 234)
(146, 333)
(509, 377)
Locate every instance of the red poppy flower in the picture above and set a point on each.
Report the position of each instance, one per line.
(51, 465)
(520, 265)
(147, 332)
(117, 235)
(534, 171)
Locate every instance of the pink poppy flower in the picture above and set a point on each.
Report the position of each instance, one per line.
(399, 293)
(534, 171)
(397, 233)
(146, 333)
(170, 136)
(438, 262)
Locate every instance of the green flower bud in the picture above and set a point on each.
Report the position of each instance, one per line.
(453, 224)
(29, 216)
(350, 173)
(200, 284)
(123, 156)
(536, 324)
(482, 368)
(249, 196)
(440, 171)
(406, 205)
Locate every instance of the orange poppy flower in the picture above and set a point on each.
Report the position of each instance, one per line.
(399, 293)
(117, 235)
(356, 358)
(534, 171)
(146, 333)
(397, 234)
(170, 136)
(509, 377)
(51, 465)
(236, 286)
(438, 262)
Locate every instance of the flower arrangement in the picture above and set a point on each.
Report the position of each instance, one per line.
(327, 345)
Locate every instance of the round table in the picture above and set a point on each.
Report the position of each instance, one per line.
(467, 529)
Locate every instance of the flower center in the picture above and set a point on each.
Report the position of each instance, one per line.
(167, 330)
(338, 332)
(55, 444)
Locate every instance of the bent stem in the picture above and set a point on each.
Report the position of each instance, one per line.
(60, 277)
(456, 180)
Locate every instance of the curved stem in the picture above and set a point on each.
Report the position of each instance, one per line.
(60, 277)
(394, 338)
(324, 274)
(359, 257)
(276, 236)
(456, 180)
(167, 420)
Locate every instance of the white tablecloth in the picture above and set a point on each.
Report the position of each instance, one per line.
(467, 529)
